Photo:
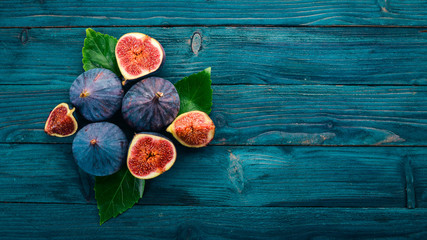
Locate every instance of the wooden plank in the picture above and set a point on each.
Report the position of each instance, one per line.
(230, 176)
(36, 221)
(416, 179)
(260, 115)
(199, 12)
(238, 55)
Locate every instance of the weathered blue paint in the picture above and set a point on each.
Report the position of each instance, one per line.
(261, 115)
(302, 116)
(76, 221)
(236, 176)
(43, 13)
(237, 55)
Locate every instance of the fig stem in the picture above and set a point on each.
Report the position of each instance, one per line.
(84, 94)
(93, 142)
(159, 94)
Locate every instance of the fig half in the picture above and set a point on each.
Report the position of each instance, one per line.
(61, 122)
(138, 55)
(193, 129)
(149, 155)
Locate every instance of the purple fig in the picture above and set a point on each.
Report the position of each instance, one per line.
(100, 148)
(151, 104)
(97, 94)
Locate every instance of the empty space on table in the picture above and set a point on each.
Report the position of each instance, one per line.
(234, 176)
(237, 55)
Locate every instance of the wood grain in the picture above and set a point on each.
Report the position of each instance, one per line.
(237, 55)
(233, 176)
(419, 172)
(321, 130)
(39, 221)
(259, 115)
(42, 13)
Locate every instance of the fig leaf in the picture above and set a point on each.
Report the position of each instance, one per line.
(117, 193)
(195, 92)
(98, 52)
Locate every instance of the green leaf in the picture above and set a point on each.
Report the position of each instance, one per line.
(98, 52)
(195, 92)
(117, 193)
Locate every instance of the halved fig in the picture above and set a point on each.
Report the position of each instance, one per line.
(138, 55)
(149, 155)
(193, 129)
(61, 122)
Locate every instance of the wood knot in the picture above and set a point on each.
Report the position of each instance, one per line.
(235, 173)
(384, 5)
(189, 231)
(24, 36)
(220, 120)
(196, 43)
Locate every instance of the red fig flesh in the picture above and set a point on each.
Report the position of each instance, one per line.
(138, 55)
(61, 122)
(193, 129)
(149, 155)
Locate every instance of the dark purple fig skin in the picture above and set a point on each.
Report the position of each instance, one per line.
(104, 94)
(144, 111)
(106, 153)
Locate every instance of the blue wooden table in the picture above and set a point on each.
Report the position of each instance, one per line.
(320, 108)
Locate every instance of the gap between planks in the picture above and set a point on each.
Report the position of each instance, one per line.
(273, 84)
(207, 206)
(225, 25)
(256, 145)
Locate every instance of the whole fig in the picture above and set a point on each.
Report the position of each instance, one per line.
(100, 148)
(151, 104)
(97, 94)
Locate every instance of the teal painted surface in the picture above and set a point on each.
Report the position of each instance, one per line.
(43, 13)
(321, 129)
(237, 55)
(260, 115)
(235, 176)
(63, 221)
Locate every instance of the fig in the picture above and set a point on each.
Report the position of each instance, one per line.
(100, 148)
(193, 129)
(138, 55)
(151, 104)
(61, 122)
(149, 155)
(97, 94)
